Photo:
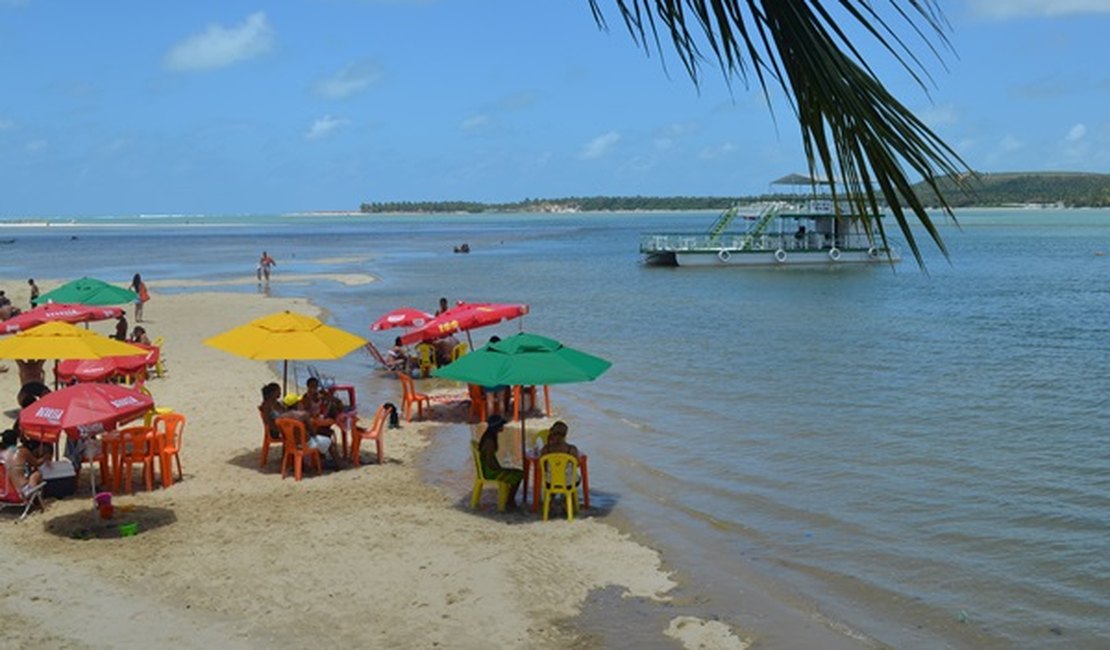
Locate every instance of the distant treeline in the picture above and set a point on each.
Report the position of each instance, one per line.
(569, 204)
(1068, 189)
(987, 190)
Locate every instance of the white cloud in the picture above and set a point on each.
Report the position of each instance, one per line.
(324, 127)
(219, 46)
(1009, 143)
(1017, 8)
(517, 101)
(6, 125)
(35, 145)
(600, 145)
(349, 81)
(667, 135)
(936, 116)
(475, 122)
(1076, 132)
(720, 151)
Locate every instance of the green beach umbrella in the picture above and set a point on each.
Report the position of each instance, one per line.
(524, 360)
(89, 291)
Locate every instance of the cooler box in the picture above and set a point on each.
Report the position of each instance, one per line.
(60, 478)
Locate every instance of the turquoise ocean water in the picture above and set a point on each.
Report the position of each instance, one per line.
(924, 457)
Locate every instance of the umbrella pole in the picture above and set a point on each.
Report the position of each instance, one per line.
(523, 444)
(284, 375)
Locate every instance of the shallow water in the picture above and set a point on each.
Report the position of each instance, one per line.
(922, 456)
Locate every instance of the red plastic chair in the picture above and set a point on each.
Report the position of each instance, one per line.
(13, 498)
(376, 432)
(296, 448)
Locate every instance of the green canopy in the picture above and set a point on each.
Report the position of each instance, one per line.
(89, 291)
(524, 360)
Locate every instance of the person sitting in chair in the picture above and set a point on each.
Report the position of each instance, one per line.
(557, 441)
(491, 467)
(138, 335)
(321, 439)
(398, 358)
(318, 404)
(21, 462)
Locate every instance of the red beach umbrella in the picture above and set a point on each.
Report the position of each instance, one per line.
(101, 369)
(464, 317)
(84, 410)
(401, 317)
(58, 312)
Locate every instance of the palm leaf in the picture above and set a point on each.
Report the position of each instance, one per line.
(853, 130)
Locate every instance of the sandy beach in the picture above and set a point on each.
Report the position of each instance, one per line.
(237, 557)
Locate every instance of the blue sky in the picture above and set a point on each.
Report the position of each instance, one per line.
(136, 107)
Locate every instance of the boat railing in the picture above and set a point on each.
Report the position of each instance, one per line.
(689, 242)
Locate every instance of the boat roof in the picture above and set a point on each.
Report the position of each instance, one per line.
(800, 179)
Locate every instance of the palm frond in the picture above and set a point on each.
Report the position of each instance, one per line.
(853, 130)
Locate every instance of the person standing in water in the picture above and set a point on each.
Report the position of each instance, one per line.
(264, 265)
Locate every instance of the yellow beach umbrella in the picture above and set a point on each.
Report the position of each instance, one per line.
(58, 340)
(286, 336)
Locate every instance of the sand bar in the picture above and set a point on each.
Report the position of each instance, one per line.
(237, 557)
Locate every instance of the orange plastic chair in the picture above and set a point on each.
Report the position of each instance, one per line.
(518, 399)
(409, 396)
(477, 403)
(296, 448)
(427, 353)
(267, 440)
(480, 481)
(168, 431)
(559, 474)
(376, 432)
(135, 447)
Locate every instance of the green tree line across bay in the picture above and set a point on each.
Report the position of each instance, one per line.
(1067, 189)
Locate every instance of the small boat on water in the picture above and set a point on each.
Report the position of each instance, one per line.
(798, 232)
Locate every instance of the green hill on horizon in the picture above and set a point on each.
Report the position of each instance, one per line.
(1066, 189)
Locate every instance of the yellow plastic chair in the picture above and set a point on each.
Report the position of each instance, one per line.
(539, 438)
(559, 475)
(148, 417)
(480, 481)
(159, 368)
(458, 351)
(427, 353)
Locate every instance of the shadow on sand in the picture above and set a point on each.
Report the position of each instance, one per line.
(87, 524)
